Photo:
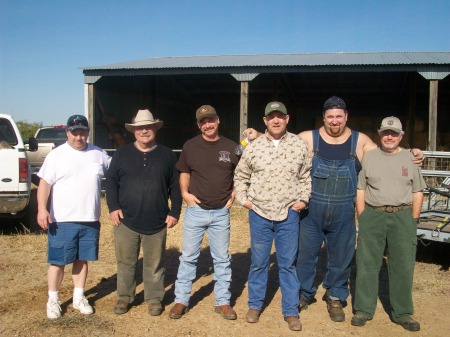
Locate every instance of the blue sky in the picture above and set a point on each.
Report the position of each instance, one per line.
(45, 44)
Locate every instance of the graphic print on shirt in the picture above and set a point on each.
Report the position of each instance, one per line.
(224, 156)
(404, 171)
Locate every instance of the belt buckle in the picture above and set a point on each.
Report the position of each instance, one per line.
(390, 209)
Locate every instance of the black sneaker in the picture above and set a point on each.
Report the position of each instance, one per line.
(410, 325)
(360, 320)
(335, 309)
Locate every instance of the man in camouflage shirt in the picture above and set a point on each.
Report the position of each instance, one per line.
(273, 181)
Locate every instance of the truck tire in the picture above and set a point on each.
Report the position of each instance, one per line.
(29, 219)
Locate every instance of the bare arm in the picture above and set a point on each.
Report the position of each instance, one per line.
(360, 201)
(43, 192)
(190, 199)
(417, 204)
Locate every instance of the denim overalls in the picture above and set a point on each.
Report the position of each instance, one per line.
(330, 217)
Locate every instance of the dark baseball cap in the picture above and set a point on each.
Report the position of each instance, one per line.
(334, 102)
(205, 111)
(77, 122)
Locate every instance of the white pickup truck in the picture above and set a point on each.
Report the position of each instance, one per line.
(15, 174)
(48, 138)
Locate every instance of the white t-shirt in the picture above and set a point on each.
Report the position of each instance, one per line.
(75, 177)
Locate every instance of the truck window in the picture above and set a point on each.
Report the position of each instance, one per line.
(55, 133)
(7, 133)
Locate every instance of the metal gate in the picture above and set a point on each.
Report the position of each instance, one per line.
(434, 221)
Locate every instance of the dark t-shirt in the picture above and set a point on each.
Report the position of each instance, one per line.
(337, 151)
(211, 166)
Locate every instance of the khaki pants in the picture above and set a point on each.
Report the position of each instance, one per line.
(128, 244)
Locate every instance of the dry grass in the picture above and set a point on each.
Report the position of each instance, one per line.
(23, 277)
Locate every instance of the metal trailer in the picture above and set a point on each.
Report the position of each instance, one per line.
(434, 223)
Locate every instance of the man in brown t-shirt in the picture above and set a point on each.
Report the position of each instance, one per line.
(206, 166)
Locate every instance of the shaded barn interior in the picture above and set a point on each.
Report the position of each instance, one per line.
(174, 95)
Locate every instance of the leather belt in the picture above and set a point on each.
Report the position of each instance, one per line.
(391, 209)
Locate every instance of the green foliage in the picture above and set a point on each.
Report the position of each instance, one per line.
(28, 130)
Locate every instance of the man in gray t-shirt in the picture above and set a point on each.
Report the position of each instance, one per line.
(388, 203)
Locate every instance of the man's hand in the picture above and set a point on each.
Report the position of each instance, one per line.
(231, 200)
(248, 204)
(418, 157)
(299, 206)
(171, 221)
(43, 218)
(190, 199)
(116, 216)
(251, 134)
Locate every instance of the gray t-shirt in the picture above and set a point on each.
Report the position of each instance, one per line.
(389, 179)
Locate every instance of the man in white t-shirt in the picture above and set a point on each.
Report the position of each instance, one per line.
(72, 173)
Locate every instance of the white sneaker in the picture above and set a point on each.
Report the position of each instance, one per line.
(53, 309)
(83, 305)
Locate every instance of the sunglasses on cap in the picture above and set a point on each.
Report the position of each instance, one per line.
(77, 122)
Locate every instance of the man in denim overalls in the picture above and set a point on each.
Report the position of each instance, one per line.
(337, 152)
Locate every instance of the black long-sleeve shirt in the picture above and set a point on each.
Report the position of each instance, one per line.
(140, 184)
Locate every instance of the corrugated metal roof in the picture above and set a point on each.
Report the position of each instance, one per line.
(277, 60)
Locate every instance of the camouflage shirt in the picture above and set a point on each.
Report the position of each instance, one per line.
(274, 178)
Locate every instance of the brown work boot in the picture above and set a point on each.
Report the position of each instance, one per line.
(121, 307)
(155, 309)
(334, 309)
(294, 323)
(252, 315)
(178, 310)
(226, 311)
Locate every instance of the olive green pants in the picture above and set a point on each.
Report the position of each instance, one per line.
(128, 244)
(394, 234)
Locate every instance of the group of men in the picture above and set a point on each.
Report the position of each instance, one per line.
(300, 192)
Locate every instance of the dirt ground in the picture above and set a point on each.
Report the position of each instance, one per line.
(23, 281)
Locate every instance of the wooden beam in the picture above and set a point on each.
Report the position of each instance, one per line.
(410, 129)
(243, 117)
(89, 109)
(432, 120)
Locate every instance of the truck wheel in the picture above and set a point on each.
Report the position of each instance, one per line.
(29, 219)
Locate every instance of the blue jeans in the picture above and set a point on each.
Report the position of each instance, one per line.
(216, 223)
(285, 233)
(334, 223)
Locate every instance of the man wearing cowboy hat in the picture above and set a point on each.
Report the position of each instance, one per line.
(141, 178)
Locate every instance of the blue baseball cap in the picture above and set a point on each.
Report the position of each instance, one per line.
(77, 122)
